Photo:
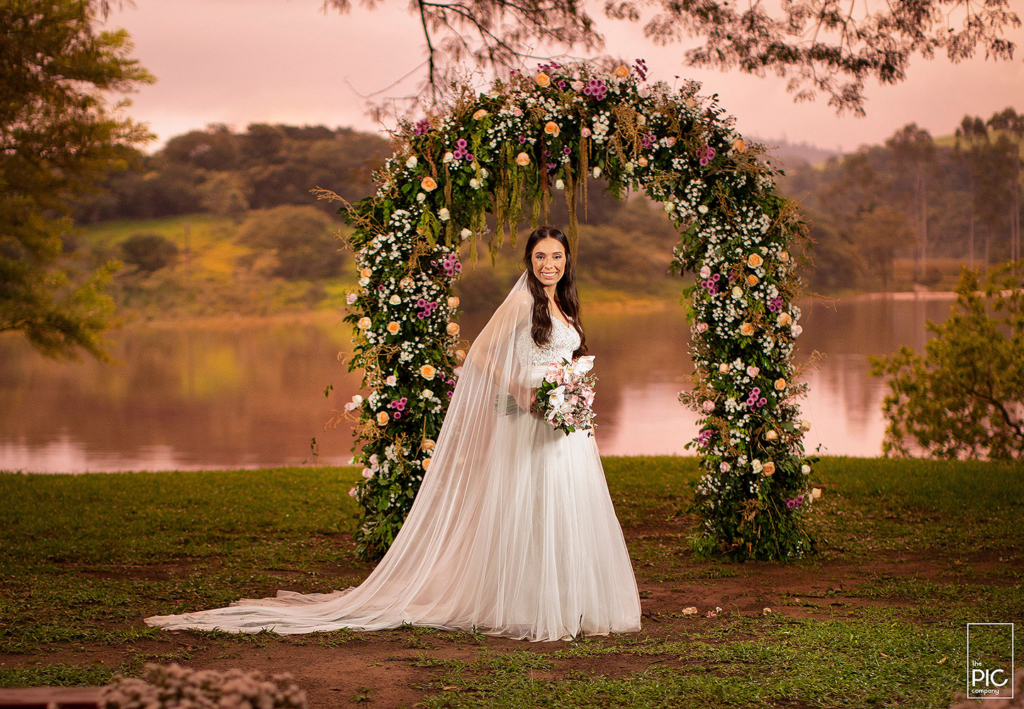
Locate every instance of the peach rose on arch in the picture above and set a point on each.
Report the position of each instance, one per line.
(427, 371)
(383, 418)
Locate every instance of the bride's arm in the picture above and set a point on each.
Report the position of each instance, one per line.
(501, 353)
(524, 395)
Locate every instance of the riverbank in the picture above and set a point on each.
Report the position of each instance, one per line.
(910, 552)
(216, 277)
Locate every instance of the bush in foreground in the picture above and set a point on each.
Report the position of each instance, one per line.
(964, 397)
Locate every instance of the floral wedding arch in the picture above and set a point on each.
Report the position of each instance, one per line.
(506, 152)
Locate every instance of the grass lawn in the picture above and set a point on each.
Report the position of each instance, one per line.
(911, 551)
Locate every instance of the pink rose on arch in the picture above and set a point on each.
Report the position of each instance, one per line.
(708, 406)
(702, 327)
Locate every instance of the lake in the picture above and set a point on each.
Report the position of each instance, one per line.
(251, 394)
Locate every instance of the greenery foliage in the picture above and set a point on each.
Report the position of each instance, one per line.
(954, 198)
(502, 153)
(149, 252)
(58, 137)
(225, 173)
(215, 273)
(302, 240)
(964, 397)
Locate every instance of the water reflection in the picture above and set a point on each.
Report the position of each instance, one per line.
(250, 395)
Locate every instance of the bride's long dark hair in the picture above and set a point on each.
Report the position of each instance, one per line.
(565, 291)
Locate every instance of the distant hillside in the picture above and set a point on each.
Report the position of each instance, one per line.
(792, 154)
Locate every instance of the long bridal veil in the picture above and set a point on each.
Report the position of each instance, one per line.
(512, 531)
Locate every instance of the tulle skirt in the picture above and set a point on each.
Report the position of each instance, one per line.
(533, 552)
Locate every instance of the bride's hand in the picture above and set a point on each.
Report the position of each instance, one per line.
(525, 398)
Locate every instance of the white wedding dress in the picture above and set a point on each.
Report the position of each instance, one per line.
(512, 532)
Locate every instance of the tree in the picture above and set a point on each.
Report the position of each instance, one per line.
(58, 138)
(914, 151)
(149, 252)
(825, 46)
(300, 238)
(226, 195)
(1011, 126)
(880, 234)
(971, 138)
(964, 398)
(858, 202)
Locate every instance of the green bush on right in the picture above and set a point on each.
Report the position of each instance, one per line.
(964, 397)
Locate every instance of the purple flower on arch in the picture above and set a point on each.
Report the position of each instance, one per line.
(596, 89)
(706, 154)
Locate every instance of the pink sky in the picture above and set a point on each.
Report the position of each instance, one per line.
(284, 61)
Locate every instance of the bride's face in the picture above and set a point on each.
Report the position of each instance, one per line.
(548, 260)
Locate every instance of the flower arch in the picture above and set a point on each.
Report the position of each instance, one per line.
(505, 152)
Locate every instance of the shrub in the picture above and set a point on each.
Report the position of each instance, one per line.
(301, 238)
(964, 398)
(148, 252)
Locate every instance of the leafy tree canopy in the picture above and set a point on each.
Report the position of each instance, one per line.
(58, 137)
(964, 397)
(824, 46)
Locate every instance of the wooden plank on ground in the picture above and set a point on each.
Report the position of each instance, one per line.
(49, 697)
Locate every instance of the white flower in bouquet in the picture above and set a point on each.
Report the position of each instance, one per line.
(583, 364)
(557, 397)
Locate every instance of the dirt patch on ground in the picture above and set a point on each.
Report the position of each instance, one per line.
(398, 668)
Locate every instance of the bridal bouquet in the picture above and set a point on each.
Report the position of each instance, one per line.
(566, 396)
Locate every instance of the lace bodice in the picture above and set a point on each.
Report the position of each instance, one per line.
(563, 342)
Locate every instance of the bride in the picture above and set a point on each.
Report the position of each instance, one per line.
(512, 532)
